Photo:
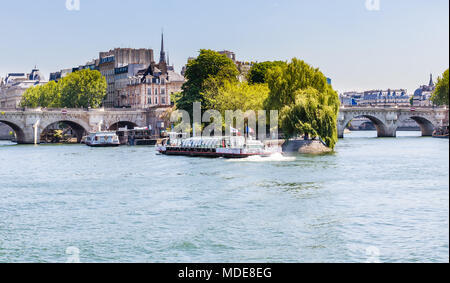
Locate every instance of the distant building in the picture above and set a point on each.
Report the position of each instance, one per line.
(229, 54)
(156, 89)
(14, 85)
(183, 70)
(243, 67)
(117, 58)
(118, 66)
(422, 95)
(390, 97)
(56, 76)
(150, 86)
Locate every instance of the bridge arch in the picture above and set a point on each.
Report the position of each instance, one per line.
(426, 126)
(122, 124)
(20, 135)
(79, 127)
(381, 127)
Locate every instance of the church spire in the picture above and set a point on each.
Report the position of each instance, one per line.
(162, 57)
(431, 84)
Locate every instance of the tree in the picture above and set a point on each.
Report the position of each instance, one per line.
(210, 70)
(47, 95)
(237, 96)
(30, 97)
(310, 115)
(441, 95)
(83, 89)
(308, 104)
(258, 72)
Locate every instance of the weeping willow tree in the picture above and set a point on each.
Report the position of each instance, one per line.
(309, 106)
(310, 115)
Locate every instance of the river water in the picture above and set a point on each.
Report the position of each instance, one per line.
(374, 200)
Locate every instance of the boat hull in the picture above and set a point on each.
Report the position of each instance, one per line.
(103, 145)
(210, 154)
(440, 137)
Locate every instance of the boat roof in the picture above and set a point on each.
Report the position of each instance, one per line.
(103, 133)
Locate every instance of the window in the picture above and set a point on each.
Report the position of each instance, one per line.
(156, 91)
(156, 100)
(163, 100)
(163, 91)
(149, 100)
(149, 91)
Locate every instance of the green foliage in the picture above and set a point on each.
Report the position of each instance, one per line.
(258, 72)
(441, 95)
(47, 95)
(174, 97)
(411, 101)
(81, 89)
(237, 96)
(310, 116)
(308, 104)
(209, 71)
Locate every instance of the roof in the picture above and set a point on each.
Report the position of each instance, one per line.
(175, 77)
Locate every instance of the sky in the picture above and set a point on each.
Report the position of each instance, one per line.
(395, 44)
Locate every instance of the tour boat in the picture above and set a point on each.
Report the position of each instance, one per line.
(102, 139)
(136, 136)
(441, 133)
(226, 147)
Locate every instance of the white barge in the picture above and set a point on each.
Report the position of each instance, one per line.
(226, 147)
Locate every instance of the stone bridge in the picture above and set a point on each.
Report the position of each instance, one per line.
(387, 120)
(31, 123)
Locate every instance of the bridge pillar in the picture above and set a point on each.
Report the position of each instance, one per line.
(388, 127)
(388, 132)
(341, 125)
(27, 136)
(341, 132)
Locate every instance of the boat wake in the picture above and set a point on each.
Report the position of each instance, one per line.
(276, 157)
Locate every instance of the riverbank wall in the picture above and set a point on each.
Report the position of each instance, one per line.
(305, 147)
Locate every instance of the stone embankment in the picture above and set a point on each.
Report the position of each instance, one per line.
(305, 147)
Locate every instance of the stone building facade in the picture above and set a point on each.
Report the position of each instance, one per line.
(152, 90)
(118, 58)
(422, 95)
(14, 85)
(152, 86)
(389, 97)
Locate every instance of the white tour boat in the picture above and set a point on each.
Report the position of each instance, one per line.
(226, 147)
(102, 139)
